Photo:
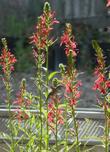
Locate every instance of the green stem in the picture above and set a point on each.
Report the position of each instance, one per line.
(40, 103)
(66, 127)
(8, 91)
(56, 128)
(76, 130)
(47, 83)
(106, 131)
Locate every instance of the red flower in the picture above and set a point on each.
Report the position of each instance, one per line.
(108, 3)
(7, 60)
(44, 26)
(101, 84)
(77, 94)
(51, 117)
(23, 102)
(59, 112)
(21, 115)
(72, 102)
(55, 112)
(68, 40)
(69, 43)
(108, 84)
(72, 93)
(101, 79)
(50, 105)
(64, 39)
(68, 88)
(61, 121)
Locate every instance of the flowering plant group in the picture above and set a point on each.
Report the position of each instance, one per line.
(39, 118)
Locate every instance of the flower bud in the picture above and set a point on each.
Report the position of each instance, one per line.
(23, 83)
(4, 42)
(47, 7)
(55, 82)
(62, 68)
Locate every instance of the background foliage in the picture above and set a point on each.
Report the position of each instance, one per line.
(18, 20)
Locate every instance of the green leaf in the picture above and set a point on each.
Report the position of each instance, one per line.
(51, 75)
(73, 145)
(108, 110)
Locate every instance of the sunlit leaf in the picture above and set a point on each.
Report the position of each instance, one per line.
(51, 75)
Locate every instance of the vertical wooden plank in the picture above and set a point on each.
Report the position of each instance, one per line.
(76, 8)
(68, 8)
(100, 8)
(86, 8)
(91, 11)
(59, 7)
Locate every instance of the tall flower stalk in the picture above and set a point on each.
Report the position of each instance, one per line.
(72, 93)
(102, 84)
(55, 115)
(23, 102)
(25, 118)
(62, 72)
(7, 61)
(42, 41)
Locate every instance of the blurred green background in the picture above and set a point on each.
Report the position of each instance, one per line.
(19, 17)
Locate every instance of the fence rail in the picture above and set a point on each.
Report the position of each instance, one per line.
(89, 120)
